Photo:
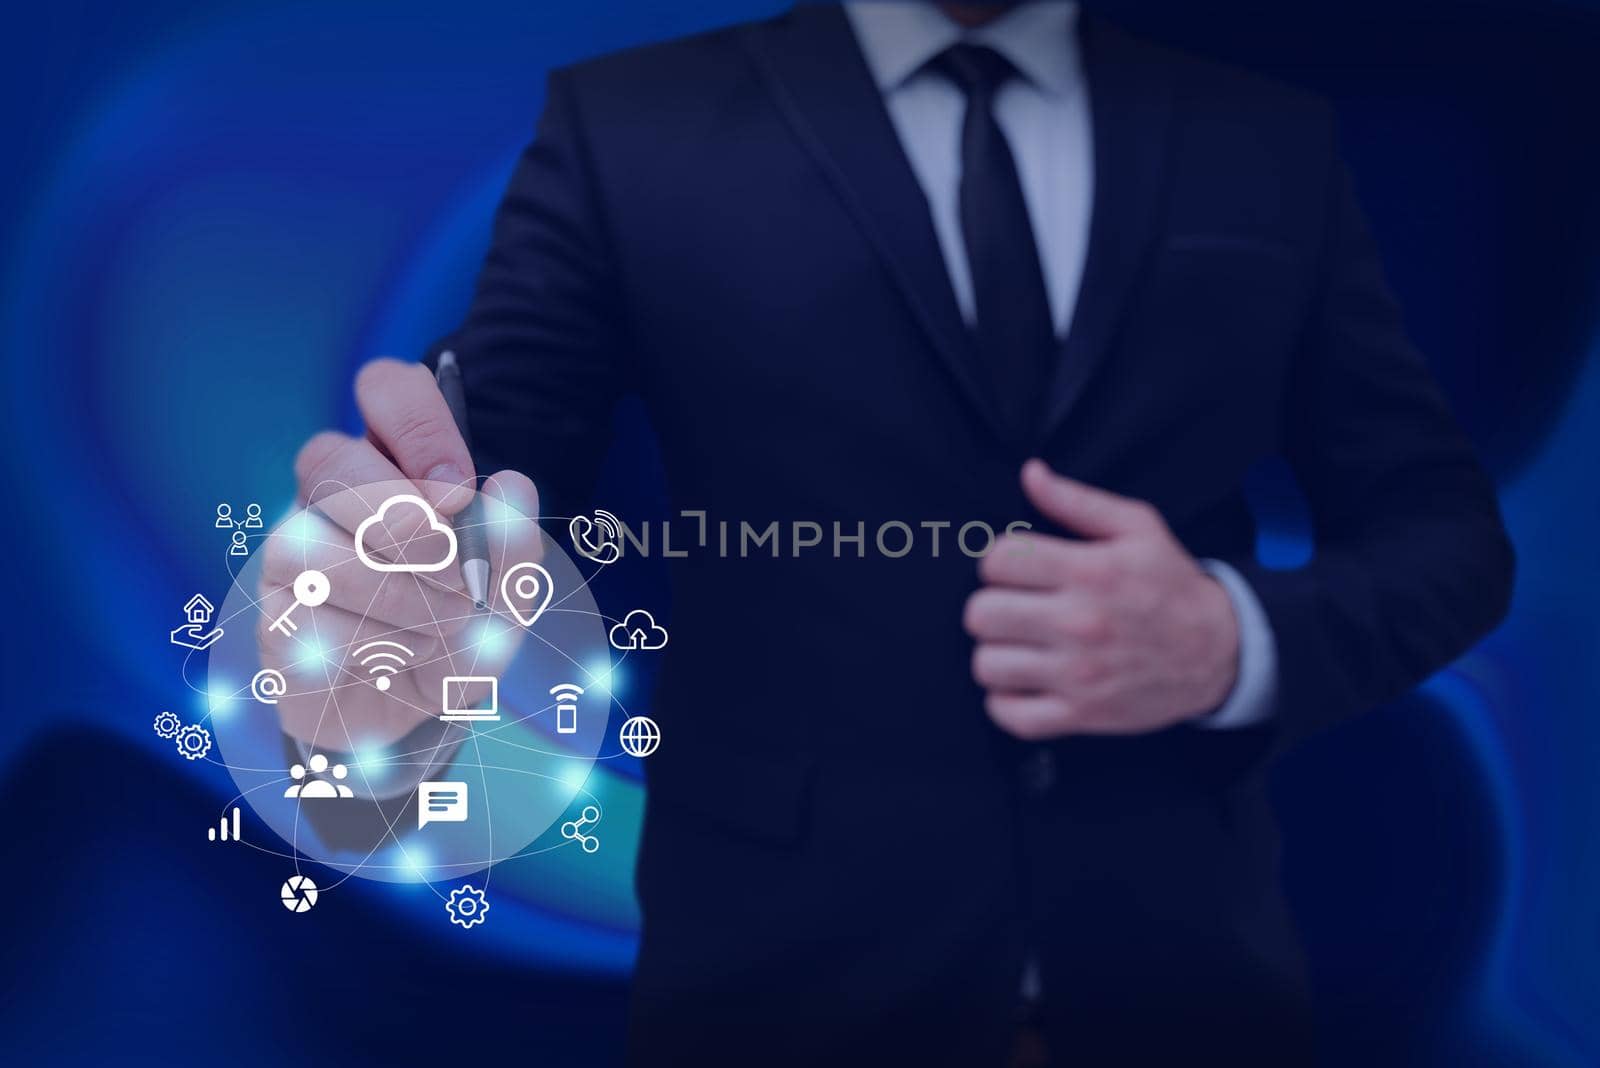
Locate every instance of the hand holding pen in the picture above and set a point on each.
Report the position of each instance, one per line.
(413, 444)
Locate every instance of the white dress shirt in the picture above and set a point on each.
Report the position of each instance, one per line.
(1045, 116)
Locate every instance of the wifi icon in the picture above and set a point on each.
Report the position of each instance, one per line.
(383, 659)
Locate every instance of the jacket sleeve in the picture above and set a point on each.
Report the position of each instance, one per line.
(1411, 563)
(542, 346)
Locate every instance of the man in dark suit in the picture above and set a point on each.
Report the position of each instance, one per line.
(861, 264)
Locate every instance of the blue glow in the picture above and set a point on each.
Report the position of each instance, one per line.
(497, 512)
(297, 528)
(219, 698)
(603, 676)
(414, 860)
(494, 638)
(313, 653)
(371, 764)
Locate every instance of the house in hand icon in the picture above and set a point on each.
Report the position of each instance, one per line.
(194, 635)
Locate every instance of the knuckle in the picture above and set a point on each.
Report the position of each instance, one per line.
(1012, 545)
(314, 455)
(1098, 575)
(1085, 671)
(278, 559)
(1060, 626)
(981, 665)
(977, 614)
(1116, 566)
(1064, 674)
(1145, 514)
(419, 431)
(1061, 570)
(271, 601)
(398, 604)
(1002, 711)
(1093, 625)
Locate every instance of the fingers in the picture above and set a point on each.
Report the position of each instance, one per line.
(1024, 617)
(516, 490)
(332, 463)
(1039, 562)
(335, 696)
(1014, 668)
(435, 602)
(1085, 509)
(346, 479)
(511, 521)
(408, 418)
(323, 637)
(349, 481)
(1030, 717)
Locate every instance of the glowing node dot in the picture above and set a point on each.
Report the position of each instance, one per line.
(382, 683)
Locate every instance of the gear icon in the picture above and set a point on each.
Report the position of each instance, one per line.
(466, 906)
(194, 741)
(167, 725)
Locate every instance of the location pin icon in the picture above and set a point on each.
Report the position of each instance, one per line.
(526, 589)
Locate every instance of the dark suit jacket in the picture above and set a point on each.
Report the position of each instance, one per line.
(841, 854)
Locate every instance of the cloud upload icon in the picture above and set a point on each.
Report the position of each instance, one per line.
(434, 523)
(639, 630)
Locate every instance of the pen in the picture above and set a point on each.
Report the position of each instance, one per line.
(469, 521)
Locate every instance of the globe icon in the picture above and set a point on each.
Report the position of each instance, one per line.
(639, 736)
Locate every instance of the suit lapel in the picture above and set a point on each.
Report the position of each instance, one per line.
(1130, 103)
(820, 81)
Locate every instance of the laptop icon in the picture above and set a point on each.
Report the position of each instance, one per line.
(470, 697)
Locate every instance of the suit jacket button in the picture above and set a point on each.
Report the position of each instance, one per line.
(1039, 772)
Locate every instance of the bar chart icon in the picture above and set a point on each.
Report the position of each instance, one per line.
(223, 828)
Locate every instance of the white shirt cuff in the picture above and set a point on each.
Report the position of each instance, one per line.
(1255, 690)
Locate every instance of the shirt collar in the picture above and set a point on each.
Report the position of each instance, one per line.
(898, 37)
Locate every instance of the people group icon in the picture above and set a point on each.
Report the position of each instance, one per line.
(304, 788)
(251, 520)
(239, 540)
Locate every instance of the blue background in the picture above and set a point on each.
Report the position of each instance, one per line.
(215, 211)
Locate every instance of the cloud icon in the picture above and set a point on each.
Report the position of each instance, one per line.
(638, 630)
(434, 523)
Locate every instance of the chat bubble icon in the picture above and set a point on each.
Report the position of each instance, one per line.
(441, 802)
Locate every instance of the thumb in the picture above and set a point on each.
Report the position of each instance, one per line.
(1085, 509)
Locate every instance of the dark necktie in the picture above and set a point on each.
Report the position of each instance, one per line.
(1014, 331)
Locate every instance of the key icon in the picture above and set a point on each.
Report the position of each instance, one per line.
(310, 589)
